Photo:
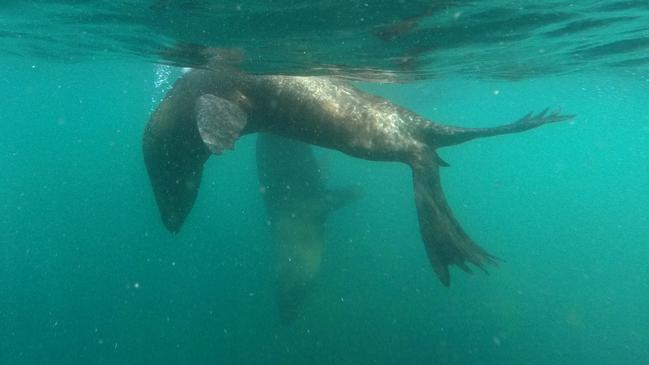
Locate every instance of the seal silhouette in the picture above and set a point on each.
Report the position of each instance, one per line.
(206, 111)
(298, 203)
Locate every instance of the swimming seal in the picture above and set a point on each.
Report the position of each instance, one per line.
(207, 110)
(298, 204)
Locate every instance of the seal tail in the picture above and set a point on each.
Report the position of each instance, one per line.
(445, 241)
(438, 135)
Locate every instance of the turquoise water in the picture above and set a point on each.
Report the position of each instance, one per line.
(88, 275)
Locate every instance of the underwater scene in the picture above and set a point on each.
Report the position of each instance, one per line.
(311, 182)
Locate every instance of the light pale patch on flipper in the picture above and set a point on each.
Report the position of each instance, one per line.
(219, 122)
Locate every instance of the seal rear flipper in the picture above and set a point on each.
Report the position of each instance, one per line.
(219, 122)
(445, 240)
(437, 135)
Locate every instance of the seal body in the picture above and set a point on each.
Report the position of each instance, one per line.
(207, 110)
(298, 204)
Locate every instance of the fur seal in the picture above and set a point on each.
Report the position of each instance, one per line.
(207, 110)
(297, 206)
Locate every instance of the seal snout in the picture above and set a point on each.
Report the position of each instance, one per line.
(172, 221)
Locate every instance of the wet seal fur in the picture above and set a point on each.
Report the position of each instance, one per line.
(298, 203)
(207, 110)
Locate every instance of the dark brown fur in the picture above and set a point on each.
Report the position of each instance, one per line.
(195, 118)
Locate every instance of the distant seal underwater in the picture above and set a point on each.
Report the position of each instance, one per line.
(206, 111)
(298, 204)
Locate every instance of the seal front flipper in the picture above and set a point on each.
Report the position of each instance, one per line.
(220, 122)
(445, 240)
